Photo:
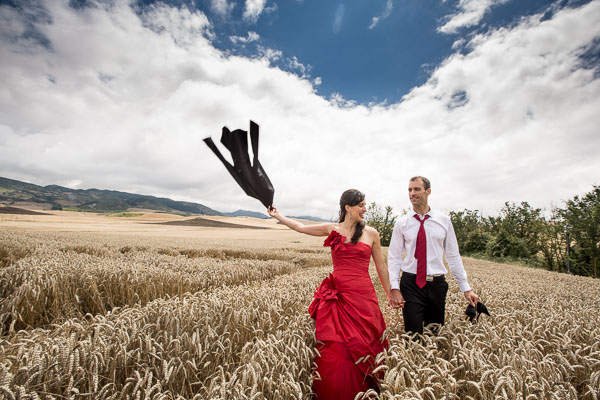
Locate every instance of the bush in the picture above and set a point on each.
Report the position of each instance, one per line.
(382, 220)
(476, 242)
(504, 245)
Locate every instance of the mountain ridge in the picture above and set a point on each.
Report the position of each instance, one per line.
(54, 197)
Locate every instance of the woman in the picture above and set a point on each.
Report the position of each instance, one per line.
(349, 324)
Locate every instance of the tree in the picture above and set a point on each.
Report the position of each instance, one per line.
(464, 222)
(553, 242)
(506, 245)
(471, 231)
(519, 228)
(382, 220)
(582, 214)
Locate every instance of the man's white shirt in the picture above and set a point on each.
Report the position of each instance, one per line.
(441, 240)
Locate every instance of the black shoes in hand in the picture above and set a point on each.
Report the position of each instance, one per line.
(473, 313)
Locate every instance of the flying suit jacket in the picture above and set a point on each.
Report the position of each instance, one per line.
(252, 178)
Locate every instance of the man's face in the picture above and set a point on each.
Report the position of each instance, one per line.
(417, 193)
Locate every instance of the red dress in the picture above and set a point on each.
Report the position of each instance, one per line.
(348, 321)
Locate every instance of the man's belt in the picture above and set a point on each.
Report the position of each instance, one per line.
(430, 278)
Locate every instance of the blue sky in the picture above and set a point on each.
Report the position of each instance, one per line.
(362, 64)
(339, 43)
(493, 100)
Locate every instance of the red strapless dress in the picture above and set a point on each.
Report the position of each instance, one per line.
(348, 322)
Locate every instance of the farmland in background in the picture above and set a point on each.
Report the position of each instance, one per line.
(119, 308)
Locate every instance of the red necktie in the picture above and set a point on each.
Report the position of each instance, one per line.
(421, 253)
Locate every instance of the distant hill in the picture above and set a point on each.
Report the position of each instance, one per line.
(13, 192)
(201, 221)
(15, 210)
(53, 197)
(245, 213)
(254, 214)
(308, 217)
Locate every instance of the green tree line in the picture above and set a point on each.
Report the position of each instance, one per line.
(568, 238)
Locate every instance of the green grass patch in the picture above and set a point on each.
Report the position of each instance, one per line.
(126, 215)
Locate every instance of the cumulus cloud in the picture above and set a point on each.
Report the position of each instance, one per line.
(122, 102)
(386, 13)
(221, 7)
(469, 13)
(252, 37)
(293, 64)
(253, 9)
(269, 54)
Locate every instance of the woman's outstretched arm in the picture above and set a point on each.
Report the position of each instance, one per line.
(382, 270)
(314, 230)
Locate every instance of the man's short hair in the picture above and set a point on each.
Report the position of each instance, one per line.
(425, 181)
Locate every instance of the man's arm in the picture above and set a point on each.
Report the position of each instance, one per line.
(456, 265)
(395, 251)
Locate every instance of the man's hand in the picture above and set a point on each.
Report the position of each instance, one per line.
(471, 297)
(396, 300)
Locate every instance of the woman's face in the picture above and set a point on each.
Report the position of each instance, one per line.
(357, 212)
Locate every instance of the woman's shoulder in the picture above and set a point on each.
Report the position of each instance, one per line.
(369, 229)
(372, 232)
(332, 226)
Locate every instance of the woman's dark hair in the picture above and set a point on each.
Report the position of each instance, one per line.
(351, 197)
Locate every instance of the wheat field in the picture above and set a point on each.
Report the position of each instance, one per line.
(147, 313)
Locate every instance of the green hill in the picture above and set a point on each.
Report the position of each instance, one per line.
(13, 192)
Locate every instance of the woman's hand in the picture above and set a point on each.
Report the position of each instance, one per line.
(273, 212)
(396, 300)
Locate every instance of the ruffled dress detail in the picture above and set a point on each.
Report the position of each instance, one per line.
(348, 322)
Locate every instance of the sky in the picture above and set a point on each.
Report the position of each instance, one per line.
(493, 100)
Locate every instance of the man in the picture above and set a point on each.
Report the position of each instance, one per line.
(425, 236)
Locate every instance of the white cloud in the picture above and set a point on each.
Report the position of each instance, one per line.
(338, 18)
(253, 9)
(222, 7)
(184, 26)
(123, 103)
(469, 13)
(252, 37)
(269, 54)
(386, 13)
(294, 64)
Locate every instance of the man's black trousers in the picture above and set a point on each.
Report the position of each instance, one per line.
(422, 305)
